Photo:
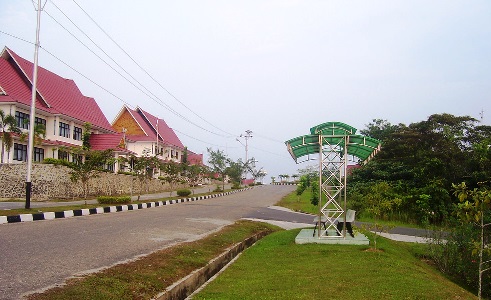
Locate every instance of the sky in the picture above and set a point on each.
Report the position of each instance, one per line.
(214, 69)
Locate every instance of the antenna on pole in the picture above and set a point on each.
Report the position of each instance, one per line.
(33, 107)
(246, 136)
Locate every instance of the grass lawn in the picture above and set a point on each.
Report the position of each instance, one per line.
(302, 204)
(299, 203)
(277, 268)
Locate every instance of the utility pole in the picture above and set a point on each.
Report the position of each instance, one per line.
(246, 136)
(30, 149)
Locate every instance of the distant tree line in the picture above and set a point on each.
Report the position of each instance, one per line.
(435, 172)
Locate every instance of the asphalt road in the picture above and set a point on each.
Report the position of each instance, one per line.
(37, 255)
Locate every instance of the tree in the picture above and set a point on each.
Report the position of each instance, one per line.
(86, 136)
(273, 179)
(421, 161)
(235, 171)
(172, 173)
(218, 161)
(195, 174)
(85, 169)
(39, 134)
(380, 201)
(475, 207)
(143, 167)
(295, 176)
(9, 127)
(379, 129)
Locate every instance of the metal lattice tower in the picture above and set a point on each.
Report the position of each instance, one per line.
(332, 168)
(334, 142)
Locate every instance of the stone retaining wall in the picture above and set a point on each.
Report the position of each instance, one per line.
(51, 182)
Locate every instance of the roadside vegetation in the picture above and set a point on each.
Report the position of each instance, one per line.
(433, 174)
(277, 268)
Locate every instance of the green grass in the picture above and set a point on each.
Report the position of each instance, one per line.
(299, 203)
(277, 268)
(302, 204)
(148, 276)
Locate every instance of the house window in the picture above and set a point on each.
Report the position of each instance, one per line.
(77, 158)
(77, 133)
(64, 130)
(40, 121)
(22, 120)
(38, 154)
(109, 167)
(62, 155)
(20, 152)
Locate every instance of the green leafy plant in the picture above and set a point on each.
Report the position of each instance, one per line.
(113, 199)
(183, 192)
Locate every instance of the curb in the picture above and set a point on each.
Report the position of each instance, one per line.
(102, 210)
(189, 284)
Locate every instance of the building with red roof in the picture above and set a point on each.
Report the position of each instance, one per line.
(64, 110)
(148, 134)
(60, 106)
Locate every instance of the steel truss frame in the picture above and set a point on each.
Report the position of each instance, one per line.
(333, 160)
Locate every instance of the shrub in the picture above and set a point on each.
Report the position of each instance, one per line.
(236, 186)
(218, 189)
(113, 199)
(183, 192)
(57, 162)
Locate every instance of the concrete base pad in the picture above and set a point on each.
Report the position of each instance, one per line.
(305, 237)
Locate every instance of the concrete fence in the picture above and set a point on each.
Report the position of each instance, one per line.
(53, 182)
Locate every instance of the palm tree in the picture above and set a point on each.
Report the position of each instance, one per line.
(295, 176)
(8, 126)
(39, 134)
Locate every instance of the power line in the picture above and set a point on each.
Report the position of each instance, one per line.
(16, 37)
(106, 90)
(125, 78)
(148, 74)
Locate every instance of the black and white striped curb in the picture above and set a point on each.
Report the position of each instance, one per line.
(102, 210)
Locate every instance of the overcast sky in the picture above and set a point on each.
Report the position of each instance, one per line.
(276, 68)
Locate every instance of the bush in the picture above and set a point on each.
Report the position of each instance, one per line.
(113, 199)
(236, 186)
(183, 192)
(218, 189)
(57, 162)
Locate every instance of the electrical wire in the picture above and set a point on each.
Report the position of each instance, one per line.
(147, 73)
(132, 83)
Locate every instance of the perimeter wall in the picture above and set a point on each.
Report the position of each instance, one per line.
(50, 182)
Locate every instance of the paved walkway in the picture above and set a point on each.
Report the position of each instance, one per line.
(36, 204)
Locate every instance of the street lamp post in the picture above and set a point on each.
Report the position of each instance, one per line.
(33, 110)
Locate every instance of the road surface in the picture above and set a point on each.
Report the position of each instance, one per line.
(41, 254)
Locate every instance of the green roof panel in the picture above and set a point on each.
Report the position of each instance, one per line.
(333, 134)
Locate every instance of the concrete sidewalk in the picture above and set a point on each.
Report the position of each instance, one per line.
(35, 204)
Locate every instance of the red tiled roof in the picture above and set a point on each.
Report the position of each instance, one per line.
(164, 131)
(56, 94)
(107, 141)
(148, 123)
(195, 159)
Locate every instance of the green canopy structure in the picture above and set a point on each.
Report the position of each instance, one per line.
(333, 133)
(332, 143)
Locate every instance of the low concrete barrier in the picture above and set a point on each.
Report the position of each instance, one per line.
(186, 286)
